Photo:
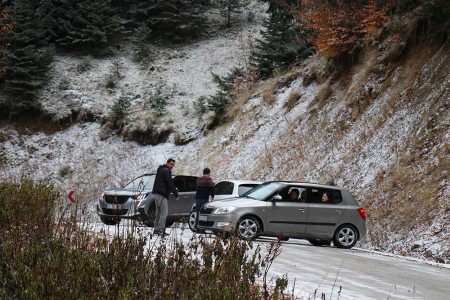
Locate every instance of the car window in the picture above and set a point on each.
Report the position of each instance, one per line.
(180, 184)
(293, 194)
(223, 188)
(262, 191)
(191, 184)
(142, 182)
(324, 196)
(244, 188)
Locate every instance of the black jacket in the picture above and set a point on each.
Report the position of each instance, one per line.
(164, 183)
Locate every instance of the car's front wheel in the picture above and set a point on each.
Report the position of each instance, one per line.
(150, 216)
(110, 221)
(320, 242)
(248, 228)
(191, 221)
(345, 236)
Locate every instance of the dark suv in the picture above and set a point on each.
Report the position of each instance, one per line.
(319, 213)
(136, 201)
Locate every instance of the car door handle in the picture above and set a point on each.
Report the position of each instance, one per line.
(184, 197)
(339, 211)
(302, 210)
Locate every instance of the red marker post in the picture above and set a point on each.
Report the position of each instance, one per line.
(71, 196)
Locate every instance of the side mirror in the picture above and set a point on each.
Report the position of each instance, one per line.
(277, 198)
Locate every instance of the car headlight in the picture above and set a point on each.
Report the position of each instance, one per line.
(224, 210)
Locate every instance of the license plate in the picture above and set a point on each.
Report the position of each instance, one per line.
(203, 218)
(113, 206)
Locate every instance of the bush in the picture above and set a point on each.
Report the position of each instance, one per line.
(44, 259)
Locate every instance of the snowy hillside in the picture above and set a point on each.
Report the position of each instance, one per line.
(383, 131)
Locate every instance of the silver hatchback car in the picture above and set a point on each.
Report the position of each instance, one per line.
(319, 213)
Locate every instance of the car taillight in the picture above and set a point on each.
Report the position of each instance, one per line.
(362, 213)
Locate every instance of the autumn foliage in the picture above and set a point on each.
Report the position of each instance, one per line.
(6, 27)
(340, 26)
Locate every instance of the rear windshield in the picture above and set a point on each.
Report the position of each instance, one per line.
(142, 183)
(261, 192)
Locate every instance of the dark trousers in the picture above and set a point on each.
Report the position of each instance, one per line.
(198, 205)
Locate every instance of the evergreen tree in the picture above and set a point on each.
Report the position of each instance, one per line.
(81, 24)
(282, 44)
(224, 96)
(119, 111)
(229, 7)
(175, 20)
(28, 60)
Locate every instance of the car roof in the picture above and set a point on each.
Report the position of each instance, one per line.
(310, 184)
(238, 182)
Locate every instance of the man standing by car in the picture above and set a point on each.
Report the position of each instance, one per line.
(205, 190)
(162, 187)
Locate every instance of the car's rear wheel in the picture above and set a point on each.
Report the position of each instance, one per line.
(191, 220)
(248, 228)
(320, 242)
(345, 236)
(110, 221)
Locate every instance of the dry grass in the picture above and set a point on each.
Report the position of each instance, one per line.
(292, 100)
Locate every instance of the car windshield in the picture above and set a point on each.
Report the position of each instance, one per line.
(263, 191)
(142, 183)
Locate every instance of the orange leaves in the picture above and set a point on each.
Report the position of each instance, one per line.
(340, 26)
(6, 27)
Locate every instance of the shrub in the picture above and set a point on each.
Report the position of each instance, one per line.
(44, 258)
(119, 111)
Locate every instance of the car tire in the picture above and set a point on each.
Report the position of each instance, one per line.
(248, 228)
(110, 221)
(169, 222)
(150, 216)
(191, 220)
(320, 242)
(345, 236)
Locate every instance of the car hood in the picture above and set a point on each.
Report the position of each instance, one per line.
(125, 192)
(239, 202)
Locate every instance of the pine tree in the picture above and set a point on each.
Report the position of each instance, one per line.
(28, 60)
(229, 7)
(282, 43)
(174, 20)
(81, 24)
(224, 96)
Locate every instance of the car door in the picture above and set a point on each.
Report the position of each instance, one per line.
(175, 207)
(285, 215)
(188, 198)
(323, 216)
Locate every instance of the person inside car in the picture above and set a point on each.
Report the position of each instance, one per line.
(293, 195)
(325, 198)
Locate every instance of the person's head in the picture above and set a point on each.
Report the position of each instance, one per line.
(206, 171)
(325, 197)
(293, 194)
(170, 163)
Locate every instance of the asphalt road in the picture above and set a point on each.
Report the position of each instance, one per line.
(358, 274)
(317, 272)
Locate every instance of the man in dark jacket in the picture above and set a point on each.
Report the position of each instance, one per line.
(205, 192)
(162, 187)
